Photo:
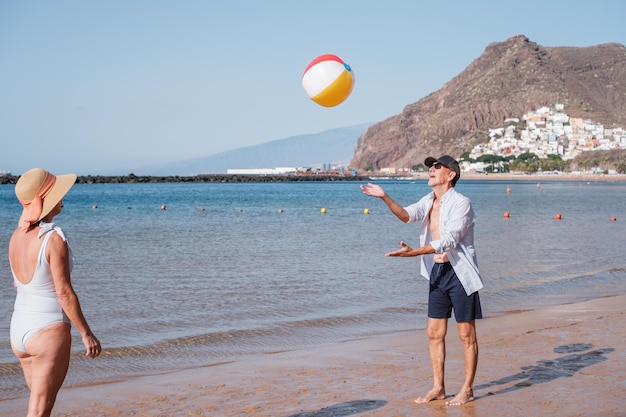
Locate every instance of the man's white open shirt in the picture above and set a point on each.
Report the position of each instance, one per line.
(456, 229)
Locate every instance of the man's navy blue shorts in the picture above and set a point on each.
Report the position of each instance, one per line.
(447, 292)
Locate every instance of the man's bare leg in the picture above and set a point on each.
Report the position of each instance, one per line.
(467, 334)
(436, 331)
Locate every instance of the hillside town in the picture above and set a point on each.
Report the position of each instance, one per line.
(546, 131)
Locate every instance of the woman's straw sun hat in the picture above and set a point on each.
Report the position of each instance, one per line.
(39, 191)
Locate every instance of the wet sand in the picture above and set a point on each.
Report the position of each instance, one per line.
(567, 360)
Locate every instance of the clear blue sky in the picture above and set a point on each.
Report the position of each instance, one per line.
(101, 87)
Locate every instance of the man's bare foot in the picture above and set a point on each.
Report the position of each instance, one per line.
(433, 394)
(461, 398)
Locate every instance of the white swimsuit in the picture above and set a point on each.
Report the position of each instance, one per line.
(36, 303)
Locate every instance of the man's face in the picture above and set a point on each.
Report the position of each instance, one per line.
(439, 174)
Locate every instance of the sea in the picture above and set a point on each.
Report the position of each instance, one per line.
(173, 276)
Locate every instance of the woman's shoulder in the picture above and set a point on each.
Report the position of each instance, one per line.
(51, 227)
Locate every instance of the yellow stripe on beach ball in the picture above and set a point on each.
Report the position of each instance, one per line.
(336, 92)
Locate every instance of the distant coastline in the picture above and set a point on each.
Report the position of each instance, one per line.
(515, 176)
(325, 177)
(586, 177)
(212, 178)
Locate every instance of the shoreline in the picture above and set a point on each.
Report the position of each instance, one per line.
(562, 360)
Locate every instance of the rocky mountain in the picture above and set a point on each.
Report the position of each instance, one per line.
(507, 80)
(308, 150)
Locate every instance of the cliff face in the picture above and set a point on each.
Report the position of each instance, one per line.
(507, 80)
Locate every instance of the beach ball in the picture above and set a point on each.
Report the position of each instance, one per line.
(328, 80)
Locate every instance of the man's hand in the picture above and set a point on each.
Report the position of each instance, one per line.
(373, 190)
(405, 251)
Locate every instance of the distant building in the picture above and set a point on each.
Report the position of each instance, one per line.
(264, 171)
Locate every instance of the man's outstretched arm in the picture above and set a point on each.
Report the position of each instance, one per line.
(374, 190)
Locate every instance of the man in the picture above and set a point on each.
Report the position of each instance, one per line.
(448, 260)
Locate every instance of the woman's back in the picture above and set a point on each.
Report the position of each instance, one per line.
(36, 303)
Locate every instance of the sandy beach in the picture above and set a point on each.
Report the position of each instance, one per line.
(566, 360)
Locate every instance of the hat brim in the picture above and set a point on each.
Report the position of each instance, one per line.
(430, 161)
(61, 186)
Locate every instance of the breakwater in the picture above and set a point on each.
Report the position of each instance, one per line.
(211, 178)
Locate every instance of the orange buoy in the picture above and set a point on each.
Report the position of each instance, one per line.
(558, 216)
(507, 214)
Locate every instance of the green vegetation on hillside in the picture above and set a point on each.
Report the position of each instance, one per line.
(593, 161)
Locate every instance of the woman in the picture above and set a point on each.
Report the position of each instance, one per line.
(41, 261)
